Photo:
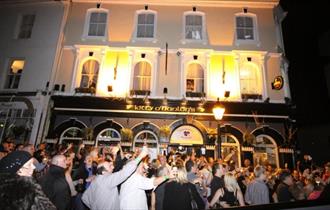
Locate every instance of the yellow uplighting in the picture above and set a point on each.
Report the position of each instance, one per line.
(115, 72)
(223, 76)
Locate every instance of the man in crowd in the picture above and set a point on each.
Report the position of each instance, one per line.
(218, 170)
(54, 184)
(283, 193)
(97, 195)
(257, 191)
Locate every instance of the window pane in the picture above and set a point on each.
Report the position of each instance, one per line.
(248, 22)
(189, 30)
(102, 17)
(94, 17)
(92, 29)
(9, 82)
(248, 34)
(142, 76)
(101, 29)
(150, 19)
(84, 81)
(198, 20)
(240, 33)
(150, 31)
(239, 22)
(141, 31)
(142, 19)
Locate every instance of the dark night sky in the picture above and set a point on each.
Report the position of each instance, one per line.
(305, 23)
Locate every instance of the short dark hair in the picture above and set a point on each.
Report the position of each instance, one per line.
(284, 174)
(189, 165)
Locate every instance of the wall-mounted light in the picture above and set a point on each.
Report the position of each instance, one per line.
(109, 88)
(245, 9)
(146, 7)
(184, 101)
(63, 88)
(249, 59)
(227, 94)
(98, 5)
(178, 53)
(91, 53)
(194, 9)
(165, 90)
(195, 57)
(143, 55)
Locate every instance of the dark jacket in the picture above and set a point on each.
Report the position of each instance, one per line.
(177, 196)
(283, 193)
(56, 187)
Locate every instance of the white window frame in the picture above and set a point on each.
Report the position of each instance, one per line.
(259, 77)
(148, 39)
(81, 73)
(255, 39)
(107, 139)
(195, 85)
(11, 60)
(85, 35)
(62, 137)
(151, 76)
(204, 39)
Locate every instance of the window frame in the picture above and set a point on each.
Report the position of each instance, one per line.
(194, 94)
(8, 73)
(138, 91)
(89, 12)
(204, 39)
(259, 80)
(255, 39)
(136, 17)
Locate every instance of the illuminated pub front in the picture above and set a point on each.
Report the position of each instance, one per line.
(155, 71)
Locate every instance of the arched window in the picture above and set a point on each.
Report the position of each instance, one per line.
(246, 27)
(150, 138)
(265, 151)
(250, 81)
(145, 24)
(142, 76)
(230, 144)
(195, 80)
(108, 136)
(71, 135)
(194, 26)
(89, 74)
(96, 23)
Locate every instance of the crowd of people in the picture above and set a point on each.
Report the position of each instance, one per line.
(83, 177)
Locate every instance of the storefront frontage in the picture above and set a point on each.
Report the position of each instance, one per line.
(131, 123)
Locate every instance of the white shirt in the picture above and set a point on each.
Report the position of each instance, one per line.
(132, 192)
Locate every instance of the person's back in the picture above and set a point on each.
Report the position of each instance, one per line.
(257, 191)
(177, 196)
(283, 193)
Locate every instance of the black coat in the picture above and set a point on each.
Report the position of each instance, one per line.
(177, 196)
(56, 188)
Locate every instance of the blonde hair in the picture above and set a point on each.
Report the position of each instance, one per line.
(231, 182)
(181, 176)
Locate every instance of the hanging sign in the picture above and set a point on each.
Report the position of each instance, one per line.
(278, 83)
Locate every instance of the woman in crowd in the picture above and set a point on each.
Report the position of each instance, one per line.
(179, 193)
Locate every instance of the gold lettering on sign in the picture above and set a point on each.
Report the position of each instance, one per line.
(163, 108)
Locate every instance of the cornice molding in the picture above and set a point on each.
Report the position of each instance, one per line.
(205, 3)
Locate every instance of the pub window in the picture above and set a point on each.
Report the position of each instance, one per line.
(89, 74)
(195, 80)
(149, 137)
(194, 26)
(250, 81)
(246, 27)
(142, 78)
(108, 136)
(72, 135)
(96, 23)
(146, 24)
(231, 150)
(265, 151)
(14, 73)
(26, 23)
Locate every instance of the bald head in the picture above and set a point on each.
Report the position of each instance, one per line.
(59, 160)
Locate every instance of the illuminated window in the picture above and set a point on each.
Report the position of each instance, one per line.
(146, 27)
(142, 76)
(195, 79)
(150, 138)
(250, 80)
(194, 26)
(246, 27)
(89, 74)
(25, 26)
(96, 23)
(14, 74)
(265, 151)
